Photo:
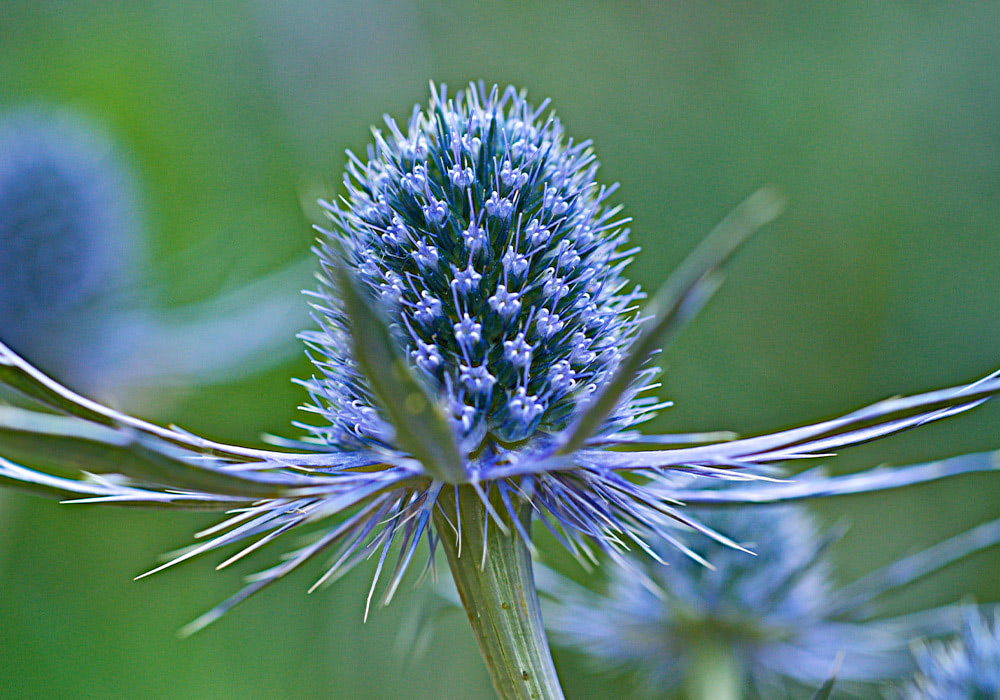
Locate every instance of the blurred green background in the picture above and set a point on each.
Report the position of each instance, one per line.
(881, 122)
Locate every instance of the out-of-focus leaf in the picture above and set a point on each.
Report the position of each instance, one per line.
(917, 566)
(254, 327)
(824, 691)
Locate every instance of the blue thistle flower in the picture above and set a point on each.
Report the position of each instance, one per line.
(499, 262)
(72, 248)
(965, 668)
(777, 614)
(480, 362)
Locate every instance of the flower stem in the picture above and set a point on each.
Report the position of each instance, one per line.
(498, 593)
(714, 674)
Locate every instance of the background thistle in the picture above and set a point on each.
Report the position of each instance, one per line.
(70, 230)
(770, 625)
(74, 273)
(964, 668)
(877, 281)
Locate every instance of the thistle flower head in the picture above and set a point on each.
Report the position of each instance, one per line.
(778, 611)
(497, 261)
(965, 668)
(477, 344)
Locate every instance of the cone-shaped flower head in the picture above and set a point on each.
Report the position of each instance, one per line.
(965, 668)
(777, 613)
(490, 247)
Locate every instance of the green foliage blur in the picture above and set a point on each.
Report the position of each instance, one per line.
(880, 121)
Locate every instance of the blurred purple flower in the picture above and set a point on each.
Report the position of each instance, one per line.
(776, 614)
(965, 668)
(73, 248)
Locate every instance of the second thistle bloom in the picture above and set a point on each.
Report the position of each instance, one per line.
(74, 274)
(965, 668)
(779, 617)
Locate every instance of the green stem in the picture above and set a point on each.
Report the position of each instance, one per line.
(499, 596)
(714, 673)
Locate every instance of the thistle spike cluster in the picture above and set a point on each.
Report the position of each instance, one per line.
(498, 262)
(778, 612)
(964, 668)
(475, 335)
